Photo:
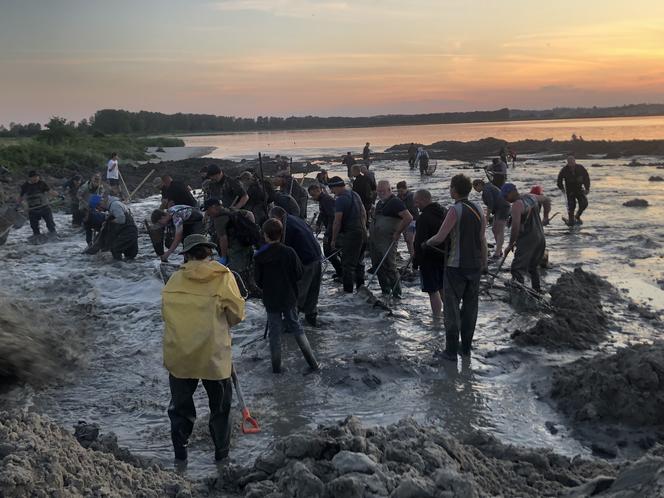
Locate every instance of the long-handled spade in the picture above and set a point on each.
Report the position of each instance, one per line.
(249, 424)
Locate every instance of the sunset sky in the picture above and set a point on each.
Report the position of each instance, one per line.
(327, 57)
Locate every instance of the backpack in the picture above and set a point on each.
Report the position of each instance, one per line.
(244, 230)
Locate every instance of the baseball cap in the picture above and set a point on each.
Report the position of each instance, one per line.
(209, 203)
(336, 181)
(507, 189)
(537, 190)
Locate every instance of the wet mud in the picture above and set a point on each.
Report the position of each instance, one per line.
(578, 320)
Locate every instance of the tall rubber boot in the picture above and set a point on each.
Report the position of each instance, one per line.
(305, 347)
(275, 352)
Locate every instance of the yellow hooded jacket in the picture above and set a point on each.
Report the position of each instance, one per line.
(200, 303)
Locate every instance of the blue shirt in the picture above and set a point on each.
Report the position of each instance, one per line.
(300, 237)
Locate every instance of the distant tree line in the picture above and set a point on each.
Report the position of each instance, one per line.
(114, 121)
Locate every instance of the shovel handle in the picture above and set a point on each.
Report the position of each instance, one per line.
(249, 424)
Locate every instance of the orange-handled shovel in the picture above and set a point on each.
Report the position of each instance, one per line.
(249, 424)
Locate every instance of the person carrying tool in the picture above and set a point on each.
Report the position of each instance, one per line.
(498, 207)
(186, 220)
(289, 185)
(464, 225)
(326, 219)
(429, 260)
(527, 233)
(237, 234)
(228, 190)
(349, 233)
(259, 195)
(390, 220)
(574, 181)
(278, 271)
(422, 159)
(297, 235)
(36, 193)
(200, 304)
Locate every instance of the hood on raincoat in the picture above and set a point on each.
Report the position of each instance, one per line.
(200, 303)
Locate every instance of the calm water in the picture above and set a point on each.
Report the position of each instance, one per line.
(313, 143)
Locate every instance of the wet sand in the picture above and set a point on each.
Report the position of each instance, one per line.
(378, 367)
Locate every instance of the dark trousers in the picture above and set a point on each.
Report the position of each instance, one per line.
(572, 198)
(182, 413)
(461, 289)
(353, 245)
(76, 214)
(527, 258)
(335, 260)
(308, 289)
(36, 215)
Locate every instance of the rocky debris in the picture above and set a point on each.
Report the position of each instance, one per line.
(644, 311)
(88, 436)
(407, 460)
(36, 346)
(578, 320)
(636, 203)
(626, 387)
(38, 458)
(656, 179)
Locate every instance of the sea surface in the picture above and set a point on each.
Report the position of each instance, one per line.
(380, 367)
(301, 144)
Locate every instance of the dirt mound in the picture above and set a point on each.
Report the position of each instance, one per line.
(36, 454)
(626, 387)
(636, 203)
(36, 346)
(578, 320)
(407, 460)
(656, 179)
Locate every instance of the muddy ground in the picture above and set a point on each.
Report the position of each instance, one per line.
(378, 366)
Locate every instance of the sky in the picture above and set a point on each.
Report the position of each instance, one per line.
(325, 57)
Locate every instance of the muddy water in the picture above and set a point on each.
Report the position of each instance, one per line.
(378, 367)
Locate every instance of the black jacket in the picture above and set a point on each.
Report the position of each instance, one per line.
(277, 271)
(428, 224)
(574, 180)
(362, 185)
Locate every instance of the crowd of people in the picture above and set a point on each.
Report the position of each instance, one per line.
(257, 231)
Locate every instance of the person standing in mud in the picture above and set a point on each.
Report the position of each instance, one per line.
(408, 198)
(464, 225)
(574, 181)
(390, 221)
(113, 174)
(349, 233)
(366, 155)
(499, 208)
(422, 159)
(259, 192)
(428, 260)
(36, 193)
(289, 185)
(348, 160)
(527, 233)
(278, 272)
(326, 220)
(200, 303)
(186, 220)
(362, 187)
(236, 239)
(498, 172)
(70, 190)
(297, 234)
(412, 155)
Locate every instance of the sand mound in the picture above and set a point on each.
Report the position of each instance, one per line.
(578, 320)
(36, 454)
(626, 387)
(408, 460)
(36, 347)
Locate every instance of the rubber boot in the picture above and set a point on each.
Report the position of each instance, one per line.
(275, 353)
(305, 347)
(571, 219)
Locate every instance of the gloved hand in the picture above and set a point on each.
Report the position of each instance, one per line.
(223, 260)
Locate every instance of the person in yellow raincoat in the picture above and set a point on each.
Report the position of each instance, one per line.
(200, 303)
